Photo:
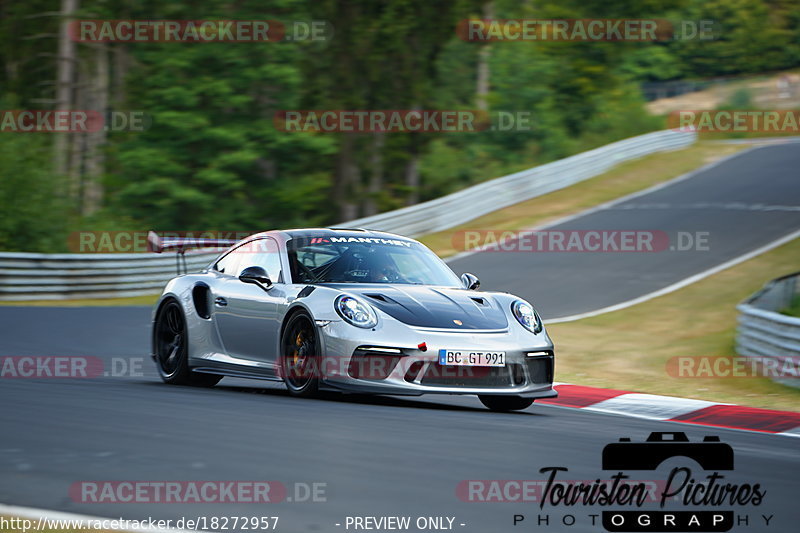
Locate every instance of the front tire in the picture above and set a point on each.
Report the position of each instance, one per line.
(171, 346)
(505, 403)
(300, 356)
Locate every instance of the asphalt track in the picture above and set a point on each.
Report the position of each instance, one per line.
(381, 456)
(741, 204)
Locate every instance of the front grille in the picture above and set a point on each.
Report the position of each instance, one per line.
(473, 376)
(540, 368)
(413, 371)
(372, 366)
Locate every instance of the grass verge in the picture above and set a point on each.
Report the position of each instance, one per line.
(149, 299)
(794, 308)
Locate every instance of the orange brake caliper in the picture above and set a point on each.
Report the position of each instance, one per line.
(298, 342)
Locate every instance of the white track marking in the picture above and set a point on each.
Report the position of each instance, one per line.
(792, 432)
(731, 206)
(656, 407)
(650, 406)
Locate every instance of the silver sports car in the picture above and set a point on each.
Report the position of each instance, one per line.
(349, 310)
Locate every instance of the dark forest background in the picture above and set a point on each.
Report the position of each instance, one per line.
(213, 159)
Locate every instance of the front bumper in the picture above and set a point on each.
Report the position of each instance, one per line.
(391, 362)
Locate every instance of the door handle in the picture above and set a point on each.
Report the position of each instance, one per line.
(220, 301)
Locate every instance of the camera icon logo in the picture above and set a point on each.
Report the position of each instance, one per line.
(710, 454)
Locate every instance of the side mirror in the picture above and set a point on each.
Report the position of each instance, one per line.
(257, 276)
(470, 281)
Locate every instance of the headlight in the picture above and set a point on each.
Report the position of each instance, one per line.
(355, 311)
(527, 316)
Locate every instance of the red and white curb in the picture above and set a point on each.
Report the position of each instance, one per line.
(672, 409)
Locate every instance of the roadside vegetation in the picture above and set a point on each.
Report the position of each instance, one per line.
(793, 309)
(148, 300)
(211, 156)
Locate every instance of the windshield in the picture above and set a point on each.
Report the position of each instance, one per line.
(366, 260)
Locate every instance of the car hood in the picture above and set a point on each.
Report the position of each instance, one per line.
(433, 307)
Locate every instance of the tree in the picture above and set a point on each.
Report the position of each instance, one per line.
(384, 56)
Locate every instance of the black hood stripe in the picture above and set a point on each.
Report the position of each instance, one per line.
(431, 307)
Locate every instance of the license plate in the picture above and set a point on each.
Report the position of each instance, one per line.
(471, 358)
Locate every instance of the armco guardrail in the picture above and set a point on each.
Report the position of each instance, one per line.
(461, 207)
(764, 332)
(25, 276)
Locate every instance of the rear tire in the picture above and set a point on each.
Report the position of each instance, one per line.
(171, 347)
(505, 403)
(300, 356)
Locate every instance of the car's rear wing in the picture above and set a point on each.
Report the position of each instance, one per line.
(180, 244)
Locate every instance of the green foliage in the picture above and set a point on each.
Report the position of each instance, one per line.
(213, 158)
(653, 63)
(24, 36)
(793, 309)
(740, 99)
(35, 215)
(749, 36)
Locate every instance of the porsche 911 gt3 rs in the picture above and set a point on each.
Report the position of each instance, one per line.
(350, 310)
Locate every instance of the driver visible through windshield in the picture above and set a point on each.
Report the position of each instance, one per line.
(366, 260)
